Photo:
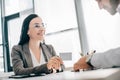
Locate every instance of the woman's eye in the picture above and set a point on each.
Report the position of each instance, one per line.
(37, 26)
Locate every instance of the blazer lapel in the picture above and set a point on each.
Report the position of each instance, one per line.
(46, 52)
(27, 55)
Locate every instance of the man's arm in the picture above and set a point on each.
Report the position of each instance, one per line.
(107, 59)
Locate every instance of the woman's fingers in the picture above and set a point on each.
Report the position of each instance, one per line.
(57, 58)
(54, 63)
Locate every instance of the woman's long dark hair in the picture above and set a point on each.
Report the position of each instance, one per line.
(24, 38)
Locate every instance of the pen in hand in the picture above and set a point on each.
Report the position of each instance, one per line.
(81, 65)
(91, 52)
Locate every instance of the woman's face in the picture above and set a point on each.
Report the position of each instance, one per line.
(36, 29)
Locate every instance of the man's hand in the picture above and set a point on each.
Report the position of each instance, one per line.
(81, 64)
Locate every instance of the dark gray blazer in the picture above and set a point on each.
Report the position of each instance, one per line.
(22, 61)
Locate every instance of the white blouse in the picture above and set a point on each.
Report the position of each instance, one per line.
(34, 60)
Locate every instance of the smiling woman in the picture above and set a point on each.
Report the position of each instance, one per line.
(31, 55)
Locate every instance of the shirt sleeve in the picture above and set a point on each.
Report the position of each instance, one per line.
(106, 59)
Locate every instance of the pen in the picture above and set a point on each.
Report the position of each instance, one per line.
(91, 52)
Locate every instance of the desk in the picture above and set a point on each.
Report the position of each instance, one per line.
(101, 74)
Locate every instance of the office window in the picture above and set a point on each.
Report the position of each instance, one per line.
(58, 14)
(15, 6)
(13, 14)
(1, 44)
(102, 29)
(62, 29)
(66, 44)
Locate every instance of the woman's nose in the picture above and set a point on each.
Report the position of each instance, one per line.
(42, 30)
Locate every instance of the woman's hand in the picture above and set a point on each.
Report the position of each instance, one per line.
(55, 63)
